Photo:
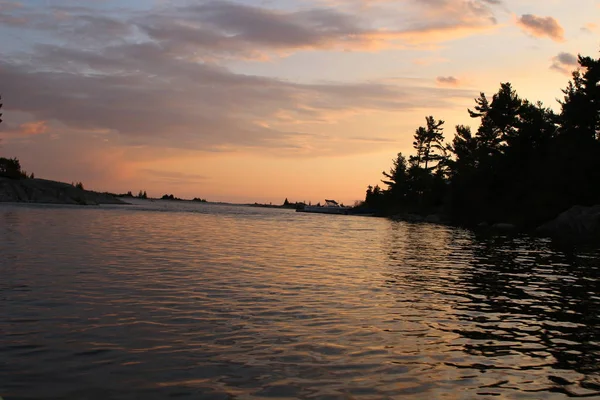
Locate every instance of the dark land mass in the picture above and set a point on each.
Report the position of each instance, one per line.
(172, 197)
(50, 192)
(523, 166)
(291, 206)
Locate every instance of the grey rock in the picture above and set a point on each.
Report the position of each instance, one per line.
(502, 226)
(433, 218)
(577, 224)
(408, 218)
(414, 218)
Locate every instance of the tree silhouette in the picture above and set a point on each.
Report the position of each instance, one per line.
(0, 110)
(504, 111)
(10, 168)
(581, 104)
(578, 144)
(396, 180)
(428, 143)
(524, 164)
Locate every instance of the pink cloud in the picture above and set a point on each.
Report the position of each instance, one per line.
(33, 128)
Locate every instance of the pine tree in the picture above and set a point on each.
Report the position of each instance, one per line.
(580, 114)
(429, 144)
(464, 148)
(397, 179)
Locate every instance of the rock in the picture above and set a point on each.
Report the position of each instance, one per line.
(433, 218)
(408, 217)
(577, 224)
(502, 226)
(414, 218)
(50, 192)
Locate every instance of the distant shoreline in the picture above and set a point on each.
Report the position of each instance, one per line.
(43, 191)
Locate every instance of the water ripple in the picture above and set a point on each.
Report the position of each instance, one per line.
(219, 302)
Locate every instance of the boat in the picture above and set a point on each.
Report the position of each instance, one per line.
(330, 207)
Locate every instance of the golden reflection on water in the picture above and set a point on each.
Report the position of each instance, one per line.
(164, 299)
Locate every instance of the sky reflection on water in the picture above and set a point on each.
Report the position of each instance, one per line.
(205, 301)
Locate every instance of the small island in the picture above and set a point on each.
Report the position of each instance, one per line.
(286, 204)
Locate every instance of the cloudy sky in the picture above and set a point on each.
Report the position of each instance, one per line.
(259, 100)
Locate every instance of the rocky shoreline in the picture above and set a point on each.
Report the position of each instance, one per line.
(50, 192)
(578, 224)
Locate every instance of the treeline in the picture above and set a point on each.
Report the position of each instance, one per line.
(11, 168)
(171, 197)
(294, 205)
(524, 164)
(141, 195)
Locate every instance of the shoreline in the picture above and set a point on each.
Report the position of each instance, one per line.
(43, 191)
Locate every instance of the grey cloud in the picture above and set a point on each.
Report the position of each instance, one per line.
(447, 80)
(154, 85)
(100, 25)
(260, 25)
(215, 29)
(230, 28)
(11, 14)
(144, 93)
(567, 58)
(213, 26)
(541, 27)
(478, 7)
(71, 23)
(564, 63)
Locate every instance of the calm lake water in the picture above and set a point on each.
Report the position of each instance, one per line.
(203, 301)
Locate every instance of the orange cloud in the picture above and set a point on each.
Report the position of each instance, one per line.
(33, 128)
(541, 27)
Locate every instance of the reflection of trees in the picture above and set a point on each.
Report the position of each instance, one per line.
(523, 297)
(421, 268)
(508, 300)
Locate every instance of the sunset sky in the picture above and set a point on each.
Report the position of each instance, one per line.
(259, 100)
